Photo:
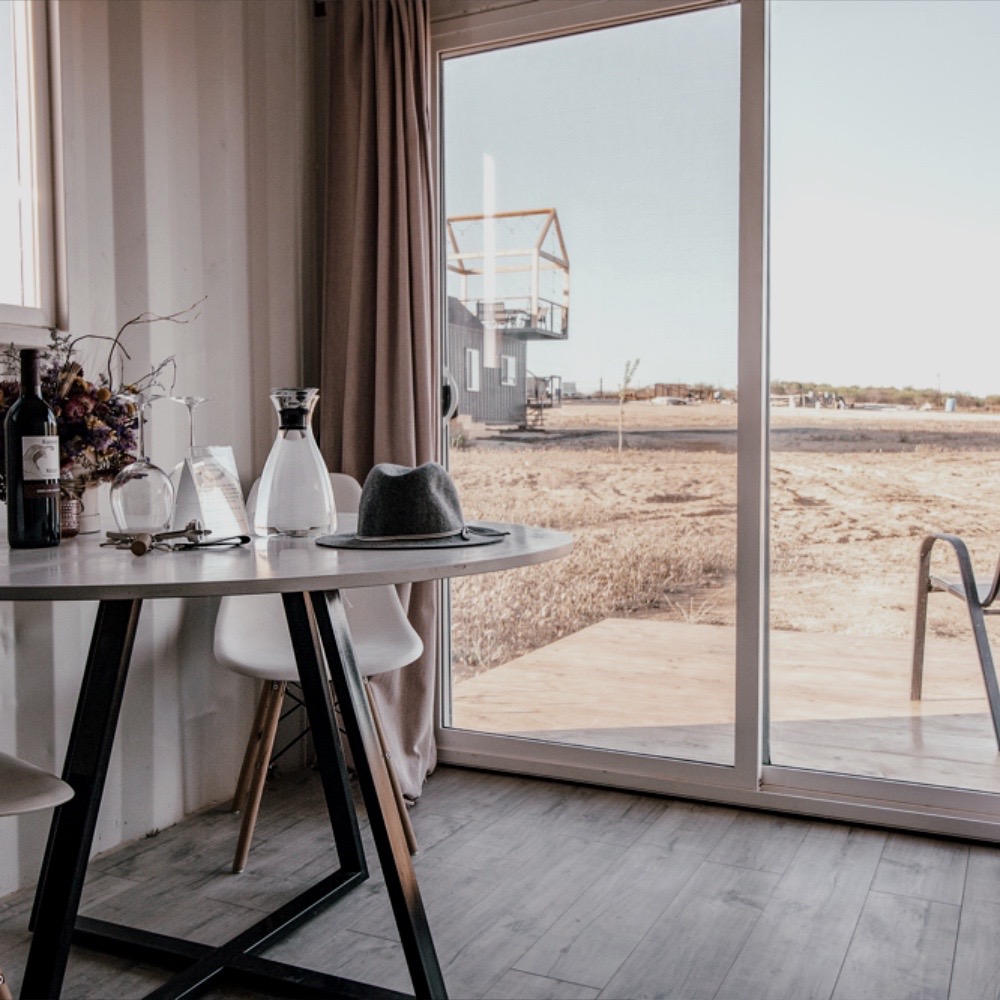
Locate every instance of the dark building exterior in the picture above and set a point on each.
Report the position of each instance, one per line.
(488, 395)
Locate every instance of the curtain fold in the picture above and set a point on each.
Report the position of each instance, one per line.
(379, 368)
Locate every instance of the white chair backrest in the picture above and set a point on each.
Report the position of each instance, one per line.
(346, 492)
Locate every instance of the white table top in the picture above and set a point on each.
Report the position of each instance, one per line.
(81, 570)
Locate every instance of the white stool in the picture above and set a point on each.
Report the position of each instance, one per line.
(26, 788)
(251, 638)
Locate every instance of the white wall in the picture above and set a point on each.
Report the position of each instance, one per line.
(186, 167)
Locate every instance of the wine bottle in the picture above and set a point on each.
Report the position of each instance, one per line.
(31, 439)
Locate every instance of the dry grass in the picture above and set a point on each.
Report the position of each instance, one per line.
(852, 492)
(625, 559)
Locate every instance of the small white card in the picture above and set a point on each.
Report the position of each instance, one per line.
(209, 490)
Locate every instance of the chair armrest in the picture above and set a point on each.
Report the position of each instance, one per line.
(964, 566)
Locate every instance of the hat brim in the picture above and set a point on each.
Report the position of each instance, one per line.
(474, 535)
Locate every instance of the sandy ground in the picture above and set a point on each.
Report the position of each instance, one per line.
(852, 494)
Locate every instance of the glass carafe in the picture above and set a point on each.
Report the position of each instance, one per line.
(294, 496)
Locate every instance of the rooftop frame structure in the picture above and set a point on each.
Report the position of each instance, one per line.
(531, 246)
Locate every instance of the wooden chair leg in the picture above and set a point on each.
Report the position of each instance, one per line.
(253, 746)
(269, 727)
(404, 812)
(5, 993)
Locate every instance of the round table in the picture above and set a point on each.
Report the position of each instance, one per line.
(310, 578)
(82, 570)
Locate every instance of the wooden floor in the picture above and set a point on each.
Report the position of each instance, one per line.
(838, 702)
(539, 889)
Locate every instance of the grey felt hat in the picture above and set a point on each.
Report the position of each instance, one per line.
(404, 508)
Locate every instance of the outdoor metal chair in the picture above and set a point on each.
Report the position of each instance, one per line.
(978, 597)
(492, 313)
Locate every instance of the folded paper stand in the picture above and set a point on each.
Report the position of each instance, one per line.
(208, 490)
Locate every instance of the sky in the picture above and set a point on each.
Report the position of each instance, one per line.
(884, 197)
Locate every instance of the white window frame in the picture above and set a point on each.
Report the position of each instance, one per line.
(472, 369)
(29, 326)
(508, 369)
(750, 781)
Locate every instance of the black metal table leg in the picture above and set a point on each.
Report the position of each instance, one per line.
(319, 639)
(72, 832)
(390, 840)
(323, 725)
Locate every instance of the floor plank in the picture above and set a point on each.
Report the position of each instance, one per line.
(692, 945)
(527, 987)
(923, 868)
(589, 942)
(764, 843)
(976, 972)
(480, 944)
(902, 949)
(796, 949)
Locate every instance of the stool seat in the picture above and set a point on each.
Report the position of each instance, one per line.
(26, 788)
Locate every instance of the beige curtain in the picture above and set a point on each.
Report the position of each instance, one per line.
(379, 378)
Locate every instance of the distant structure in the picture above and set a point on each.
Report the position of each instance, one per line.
(544, 392)
(680, 391)
(508, 284)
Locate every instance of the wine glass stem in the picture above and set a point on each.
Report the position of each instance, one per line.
(142, 431)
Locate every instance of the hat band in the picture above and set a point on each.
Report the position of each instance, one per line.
(413, 538)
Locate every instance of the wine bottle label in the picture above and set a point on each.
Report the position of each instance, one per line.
(39, 490)
(40, 458)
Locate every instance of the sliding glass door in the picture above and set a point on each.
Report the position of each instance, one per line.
(591, 227)
(885, 423)
(720, 301)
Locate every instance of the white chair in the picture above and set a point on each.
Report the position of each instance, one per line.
(251, 638)
(26, 788)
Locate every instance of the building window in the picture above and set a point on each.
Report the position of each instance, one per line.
(27, 253)
(508, 370)
(472, 369)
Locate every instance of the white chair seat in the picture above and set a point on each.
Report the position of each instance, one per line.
(25, 788)
(251, 637)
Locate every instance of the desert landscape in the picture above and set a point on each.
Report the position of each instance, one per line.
(852, 493)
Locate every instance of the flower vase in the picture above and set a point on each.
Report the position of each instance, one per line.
(69, 515)
(90, 510)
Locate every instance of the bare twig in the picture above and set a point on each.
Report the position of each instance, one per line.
(630, 367)
(117, 348)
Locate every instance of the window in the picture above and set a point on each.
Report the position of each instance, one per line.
(508, 370)
(27, 299)
(472, 369)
